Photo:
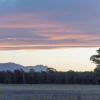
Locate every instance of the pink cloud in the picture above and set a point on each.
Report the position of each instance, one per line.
(51, 34)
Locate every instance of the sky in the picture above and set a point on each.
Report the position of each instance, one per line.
(50, 32)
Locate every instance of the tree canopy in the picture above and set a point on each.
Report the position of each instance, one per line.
(96, 60)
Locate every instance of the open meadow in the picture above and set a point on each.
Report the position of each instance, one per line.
(49, 92)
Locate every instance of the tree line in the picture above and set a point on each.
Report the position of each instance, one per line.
(52, 76)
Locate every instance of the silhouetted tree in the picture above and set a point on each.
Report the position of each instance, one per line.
(51, 70)
(96, 60)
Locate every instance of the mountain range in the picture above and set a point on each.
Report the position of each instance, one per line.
(13, 66)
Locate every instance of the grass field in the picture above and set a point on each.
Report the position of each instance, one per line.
(49, 92)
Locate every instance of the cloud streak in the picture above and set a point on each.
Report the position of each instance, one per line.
(43, 25)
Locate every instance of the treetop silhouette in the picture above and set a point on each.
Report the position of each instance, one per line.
(96, 60)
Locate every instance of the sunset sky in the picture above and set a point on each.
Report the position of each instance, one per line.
(58, 33)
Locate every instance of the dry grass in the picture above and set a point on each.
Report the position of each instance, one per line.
(49, 92)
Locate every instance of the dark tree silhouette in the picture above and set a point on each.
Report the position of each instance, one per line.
(96, 60)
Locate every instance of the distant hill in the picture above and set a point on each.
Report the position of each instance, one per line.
(13, 66)
(38, 68)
